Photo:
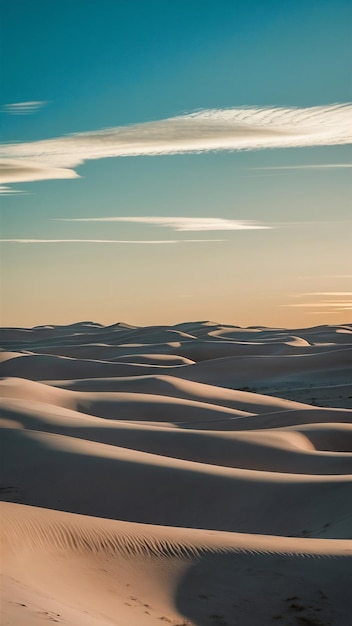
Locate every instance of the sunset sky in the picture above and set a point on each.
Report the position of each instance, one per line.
(175, 161)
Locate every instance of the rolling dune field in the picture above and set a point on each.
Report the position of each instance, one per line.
(193, 475)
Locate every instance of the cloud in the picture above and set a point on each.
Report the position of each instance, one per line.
(321, 303)
(323, 293)
(8, 191)
(122, 241)
(15, 170)
(23, 108)
(180, 224)
(333, 301)
(245, 128)
(337, 310)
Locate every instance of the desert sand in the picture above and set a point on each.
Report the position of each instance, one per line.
(195, 475)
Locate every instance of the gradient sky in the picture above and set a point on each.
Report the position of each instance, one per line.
(282, 255)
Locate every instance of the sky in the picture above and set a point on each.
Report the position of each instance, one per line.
(175, 161)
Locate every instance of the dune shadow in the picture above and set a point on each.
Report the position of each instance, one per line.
(260, 589)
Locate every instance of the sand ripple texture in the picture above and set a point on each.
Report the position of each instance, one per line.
(194, 475)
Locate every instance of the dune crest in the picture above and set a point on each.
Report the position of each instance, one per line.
(174, 474)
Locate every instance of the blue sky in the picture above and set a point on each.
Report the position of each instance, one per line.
(92, 66)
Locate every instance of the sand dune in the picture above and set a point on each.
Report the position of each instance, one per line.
(174, 474)
(58, 392)
(122, 572)
(143, 574)
(104, 480)
(233, 448)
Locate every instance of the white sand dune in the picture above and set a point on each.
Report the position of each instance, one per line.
(145, 478)
(332, 366)
(230, 447)
(76, 569)
(59, 392)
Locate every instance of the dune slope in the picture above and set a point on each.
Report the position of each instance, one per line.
(195, 475)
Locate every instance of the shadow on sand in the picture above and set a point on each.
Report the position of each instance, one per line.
(260, 589)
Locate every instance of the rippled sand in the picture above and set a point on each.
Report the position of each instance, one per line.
(194, 474)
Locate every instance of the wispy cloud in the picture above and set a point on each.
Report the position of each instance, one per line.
(118, 241)
(15, 170)
(245, 128)
(199, 223)
(8, 191)
(323, 301)
(180, 224)
(322, 293)
(337, 310)
(23, 108)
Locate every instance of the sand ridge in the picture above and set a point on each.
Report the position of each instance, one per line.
(172, 474)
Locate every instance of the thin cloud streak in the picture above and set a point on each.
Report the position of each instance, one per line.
(198, 223)
(122, 241)
(180, 224)
(245, 128)
(334, 301)
(8, 191)
(319, 304)
(23, 108)
(322, 293)
(348, 308)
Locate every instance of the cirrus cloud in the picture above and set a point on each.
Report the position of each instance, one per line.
(244, 128)
(180, 224)
(15, 170)
(321, 301)
(8, 191)
(23, 108)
